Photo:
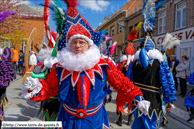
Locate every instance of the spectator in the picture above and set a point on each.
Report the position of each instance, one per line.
(14, 60)
(182, 69)
(117, 60)
(1, 51)
(172, 65)
(21, 62)
(33, 60)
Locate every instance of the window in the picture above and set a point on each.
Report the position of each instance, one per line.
(120, 27)
(6, 43)
(130, 29)
(142, 32)
(180, 21)
(112, 31)
(162, 22)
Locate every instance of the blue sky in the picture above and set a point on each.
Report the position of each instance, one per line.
(93, 11)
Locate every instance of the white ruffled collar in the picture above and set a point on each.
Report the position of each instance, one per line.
(154, 54)
(73, 62)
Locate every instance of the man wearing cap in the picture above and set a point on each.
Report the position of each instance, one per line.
(79, 78)
(14, 60)
(172, 65)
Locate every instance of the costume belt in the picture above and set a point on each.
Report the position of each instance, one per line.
(147, 87)
(82, 113)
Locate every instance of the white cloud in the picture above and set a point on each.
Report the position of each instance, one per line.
(100, 23)
(103, 3)
(97, 5)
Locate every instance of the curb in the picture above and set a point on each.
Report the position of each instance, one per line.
(182, 120)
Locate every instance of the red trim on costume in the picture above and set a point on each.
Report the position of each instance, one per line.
(121, 83)
(82, 113)
(90, 73)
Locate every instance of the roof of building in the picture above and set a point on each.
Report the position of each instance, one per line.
(31, 10)
(137, 5)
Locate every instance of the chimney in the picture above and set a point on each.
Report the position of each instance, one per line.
(106, 18)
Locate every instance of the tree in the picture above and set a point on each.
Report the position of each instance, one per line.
(13, 27)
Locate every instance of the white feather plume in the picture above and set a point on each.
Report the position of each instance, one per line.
(170, 41)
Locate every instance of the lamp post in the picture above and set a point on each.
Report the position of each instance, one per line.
(119, 23)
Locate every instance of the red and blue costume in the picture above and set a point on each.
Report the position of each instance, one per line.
(81, 93)
(79, 80)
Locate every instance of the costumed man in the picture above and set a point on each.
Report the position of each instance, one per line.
(79, 78)
(128, 56)
(47, 57)
(6, 76)
(44, 56)
(151, 74)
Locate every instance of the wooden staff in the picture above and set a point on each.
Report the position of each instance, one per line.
(28, 71)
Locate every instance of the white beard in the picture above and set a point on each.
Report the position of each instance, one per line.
(44, 53)
(82, 62)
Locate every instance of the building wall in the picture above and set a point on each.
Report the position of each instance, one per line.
(39, 25)
(186, 34)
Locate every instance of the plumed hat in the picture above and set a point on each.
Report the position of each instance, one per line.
(148, 12)
(77, 27)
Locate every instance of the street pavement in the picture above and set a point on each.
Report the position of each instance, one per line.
(26, 110)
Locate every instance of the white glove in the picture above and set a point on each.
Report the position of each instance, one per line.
(33, 85)
(30, 83)
(143, 106)
(33, 81)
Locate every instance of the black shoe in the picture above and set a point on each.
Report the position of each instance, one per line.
(183, 96)
(180, 94)
(119, 123)
(129, 123)
(191, 118)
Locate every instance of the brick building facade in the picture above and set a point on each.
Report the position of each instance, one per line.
(34, 21)
(176, 18)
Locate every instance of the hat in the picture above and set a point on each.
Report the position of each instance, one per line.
(77, 27)
(148, 12)
(32, 52)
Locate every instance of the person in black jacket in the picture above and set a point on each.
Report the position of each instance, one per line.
(21, 62)
(172, 65)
